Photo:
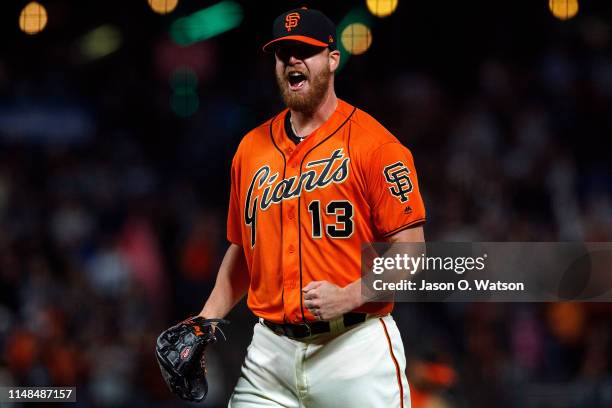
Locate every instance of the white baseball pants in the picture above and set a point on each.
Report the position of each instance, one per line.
(363, 367)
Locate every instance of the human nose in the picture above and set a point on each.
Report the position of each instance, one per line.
(293, 60)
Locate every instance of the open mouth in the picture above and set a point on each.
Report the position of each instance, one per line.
(296, 80)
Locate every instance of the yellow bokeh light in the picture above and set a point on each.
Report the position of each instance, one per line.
(356, 38)
(563, 9)
(163, 6)
(381, 8)
(33, 18)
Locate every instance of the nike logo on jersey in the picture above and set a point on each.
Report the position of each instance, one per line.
(264, 189)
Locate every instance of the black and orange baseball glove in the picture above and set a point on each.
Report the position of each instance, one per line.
(180, 353)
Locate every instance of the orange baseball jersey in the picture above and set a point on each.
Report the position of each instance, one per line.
(301, 212)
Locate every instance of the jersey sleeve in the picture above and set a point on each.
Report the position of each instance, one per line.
(393, 190)
(234, 216)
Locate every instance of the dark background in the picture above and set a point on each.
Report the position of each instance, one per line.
(113, 205)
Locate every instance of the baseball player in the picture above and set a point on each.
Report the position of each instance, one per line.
(308, 187)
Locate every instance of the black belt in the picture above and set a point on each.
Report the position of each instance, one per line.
(298, 331)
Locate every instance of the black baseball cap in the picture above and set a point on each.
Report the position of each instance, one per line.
(304, 25)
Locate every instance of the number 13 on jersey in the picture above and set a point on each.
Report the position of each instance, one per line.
(342, 227)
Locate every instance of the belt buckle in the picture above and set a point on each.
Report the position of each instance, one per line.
(308, 327)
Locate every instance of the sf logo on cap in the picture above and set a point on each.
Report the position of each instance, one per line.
(396, 174)
(292, 20)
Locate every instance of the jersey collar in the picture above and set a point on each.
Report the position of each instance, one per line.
(293, 152)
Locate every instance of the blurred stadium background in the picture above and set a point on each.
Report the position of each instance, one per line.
(117, 128)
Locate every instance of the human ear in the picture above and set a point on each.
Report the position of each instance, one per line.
(334, 60)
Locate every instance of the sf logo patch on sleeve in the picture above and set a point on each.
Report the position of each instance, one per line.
(396, 174)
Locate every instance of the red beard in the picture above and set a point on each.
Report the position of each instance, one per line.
(305, 102)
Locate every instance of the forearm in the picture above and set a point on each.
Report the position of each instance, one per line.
(357, 296)
(231, 284)
(354, 296)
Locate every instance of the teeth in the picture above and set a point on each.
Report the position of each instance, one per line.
(295, 78)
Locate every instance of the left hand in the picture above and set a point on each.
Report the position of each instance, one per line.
(327, 301)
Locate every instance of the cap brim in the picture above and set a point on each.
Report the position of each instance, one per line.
(300, 38)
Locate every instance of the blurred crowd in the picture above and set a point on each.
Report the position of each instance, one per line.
(112, 222)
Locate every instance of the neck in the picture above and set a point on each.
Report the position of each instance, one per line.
(307, 122)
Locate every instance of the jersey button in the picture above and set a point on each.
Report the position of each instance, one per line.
(289, 150)
(291, 214)
(291, 249)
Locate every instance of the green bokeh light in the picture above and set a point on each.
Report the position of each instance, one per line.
(183, 78)
(206, 23)
(184, 102)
